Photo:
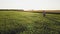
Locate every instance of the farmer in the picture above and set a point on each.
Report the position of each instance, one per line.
(44, 13)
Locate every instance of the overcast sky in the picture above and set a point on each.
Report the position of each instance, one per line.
(30, 4)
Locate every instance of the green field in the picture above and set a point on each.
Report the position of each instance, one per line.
(14, 22)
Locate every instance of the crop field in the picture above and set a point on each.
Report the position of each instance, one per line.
(15, 22)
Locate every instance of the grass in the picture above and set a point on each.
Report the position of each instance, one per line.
(28, 23)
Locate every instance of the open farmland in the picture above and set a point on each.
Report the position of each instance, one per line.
(47, 11)
(15, 22)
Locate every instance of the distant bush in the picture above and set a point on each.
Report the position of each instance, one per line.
(11, 10)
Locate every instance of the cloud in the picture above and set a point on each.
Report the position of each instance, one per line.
(30, 4)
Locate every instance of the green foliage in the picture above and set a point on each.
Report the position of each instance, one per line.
(28, 23)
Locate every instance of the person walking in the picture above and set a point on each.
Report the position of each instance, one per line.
(44, 13)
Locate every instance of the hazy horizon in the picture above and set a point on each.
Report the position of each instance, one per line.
(30, 4)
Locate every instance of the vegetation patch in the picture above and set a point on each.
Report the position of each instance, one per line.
(13, 22)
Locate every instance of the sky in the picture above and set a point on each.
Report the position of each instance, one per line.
(30, 4)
